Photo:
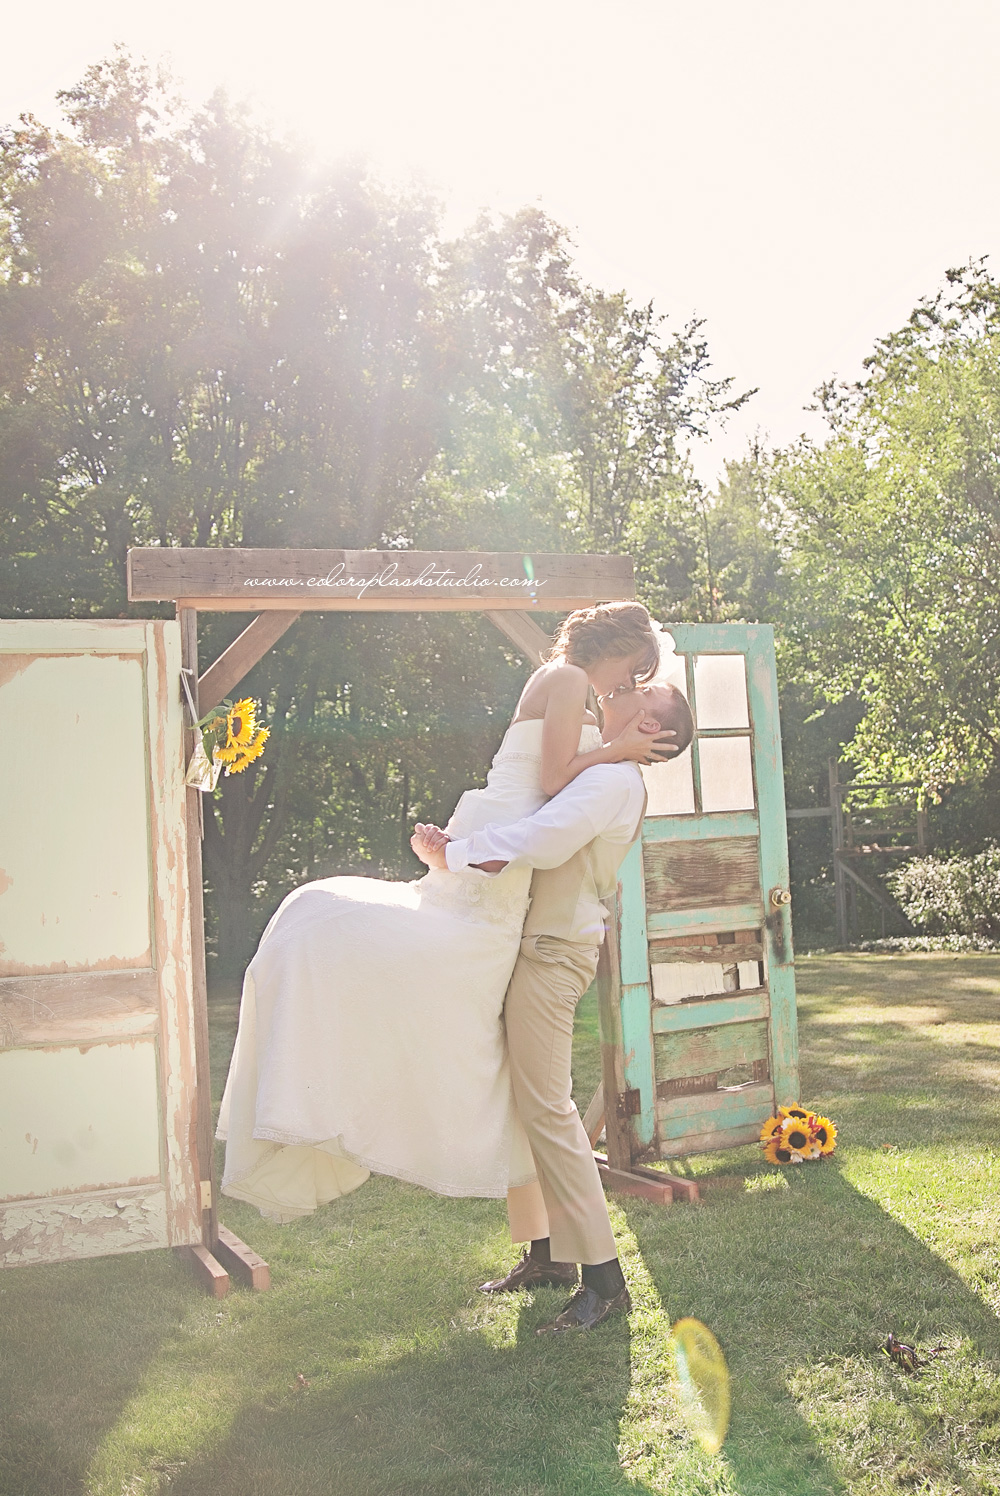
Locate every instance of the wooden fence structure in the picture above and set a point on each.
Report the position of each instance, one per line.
(863, 829)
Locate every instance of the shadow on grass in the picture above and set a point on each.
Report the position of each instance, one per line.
(809, 1275)
(466, 1416)
(77, 1339)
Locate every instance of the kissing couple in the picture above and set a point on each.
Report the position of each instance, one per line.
(424, 1030)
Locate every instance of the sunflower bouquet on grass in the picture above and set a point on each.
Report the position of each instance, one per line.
(231, 738)
(796, 1135)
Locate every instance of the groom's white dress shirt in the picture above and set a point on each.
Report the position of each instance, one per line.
(601, 807)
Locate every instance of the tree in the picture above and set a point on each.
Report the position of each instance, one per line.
(204, 340)
(897, 542)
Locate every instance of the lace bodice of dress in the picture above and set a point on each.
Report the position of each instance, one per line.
(513, 790)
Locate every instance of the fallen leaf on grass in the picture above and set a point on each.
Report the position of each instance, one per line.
(909, 1358)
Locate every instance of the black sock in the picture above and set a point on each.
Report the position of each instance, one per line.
(606, 1279)
(540, 1250)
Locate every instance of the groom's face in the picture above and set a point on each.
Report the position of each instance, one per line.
(620, 706)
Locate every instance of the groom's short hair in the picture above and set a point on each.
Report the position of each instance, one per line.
(668, 705)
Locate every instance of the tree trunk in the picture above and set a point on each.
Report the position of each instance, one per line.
(235, 924)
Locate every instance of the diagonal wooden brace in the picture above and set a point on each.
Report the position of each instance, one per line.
(593, 1118)
(241, 656)
(522, 630)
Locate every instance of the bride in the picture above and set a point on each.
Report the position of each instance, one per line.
(371, 1034)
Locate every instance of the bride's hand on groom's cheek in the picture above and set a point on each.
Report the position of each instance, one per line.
(656, 744)
(662, 747)
(643, 740)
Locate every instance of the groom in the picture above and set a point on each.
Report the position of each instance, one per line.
(575, 844)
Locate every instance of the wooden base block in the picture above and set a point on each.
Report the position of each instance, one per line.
(207, 1270)
(684, 1190)
(630, 1183)
(241, 1261)
(681, 1189)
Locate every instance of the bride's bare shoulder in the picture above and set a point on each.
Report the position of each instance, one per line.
(553, 684)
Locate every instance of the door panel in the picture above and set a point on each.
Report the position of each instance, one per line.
(97, 1077)
(707, 1015)
(74, 851)
(75, 1118)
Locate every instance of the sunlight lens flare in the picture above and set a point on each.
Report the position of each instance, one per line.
(702, 1382)
(529, 572)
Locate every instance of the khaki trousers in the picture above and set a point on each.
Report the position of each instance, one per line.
(566, 1203)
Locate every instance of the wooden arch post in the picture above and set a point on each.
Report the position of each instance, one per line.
(280, 586)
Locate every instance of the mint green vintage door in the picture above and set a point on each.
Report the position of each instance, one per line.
(703, 1045)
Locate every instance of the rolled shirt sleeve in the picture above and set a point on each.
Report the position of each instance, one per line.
(604, 801)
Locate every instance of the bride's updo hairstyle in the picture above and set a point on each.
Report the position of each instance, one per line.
(606, 631)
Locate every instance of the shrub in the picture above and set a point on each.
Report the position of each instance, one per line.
(907, 945)
(951, 896)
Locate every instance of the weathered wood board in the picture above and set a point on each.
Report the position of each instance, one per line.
(227, 578)
(77, 1007)
(693, 875)
(97, 1074)
(699, 1052)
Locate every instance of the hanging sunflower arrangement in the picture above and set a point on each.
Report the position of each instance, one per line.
(796, 1135)
(231, 735)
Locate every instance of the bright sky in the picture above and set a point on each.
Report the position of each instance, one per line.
(795, 173)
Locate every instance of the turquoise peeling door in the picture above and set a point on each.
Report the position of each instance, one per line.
(707, 1021)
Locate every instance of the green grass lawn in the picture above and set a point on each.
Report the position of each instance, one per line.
(374, 1366)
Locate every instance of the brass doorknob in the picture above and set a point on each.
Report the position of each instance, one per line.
(780, 897)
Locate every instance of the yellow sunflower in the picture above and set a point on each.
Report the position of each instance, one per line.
(232, 736)
(770, 1129)
(794, 1112)
(244, 755)
(241, 723)
(825, 1135)
(797, 1137)
(776, 1153)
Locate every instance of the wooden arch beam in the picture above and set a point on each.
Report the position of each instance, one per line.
(233, 579)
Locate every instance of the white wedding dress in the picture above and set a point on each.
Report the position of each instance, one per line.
(371, 1036)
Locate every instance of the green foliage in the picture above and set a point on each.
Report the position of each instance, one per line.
(207, 340)
(945, 896)
(200, 344)
(895, 562)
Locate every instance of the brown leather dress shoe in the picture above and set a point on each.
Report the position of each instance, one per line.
(585, 1310)
(529, 1274)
